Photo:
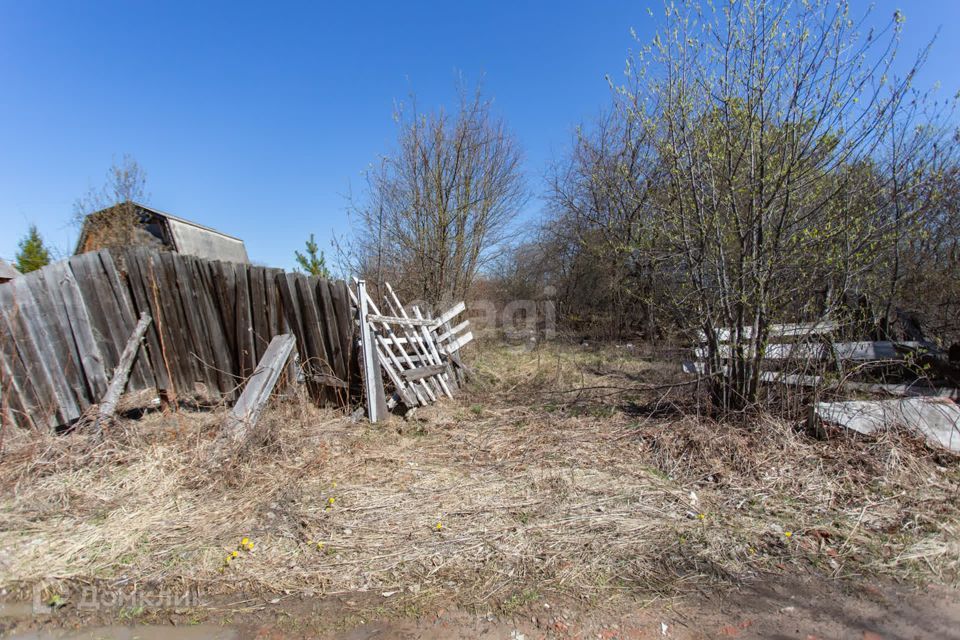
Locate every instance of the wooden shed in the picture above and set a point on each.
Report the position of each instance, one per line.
(161, 230)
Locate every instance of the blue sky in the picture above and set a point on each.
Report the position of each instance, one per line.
(259, 118)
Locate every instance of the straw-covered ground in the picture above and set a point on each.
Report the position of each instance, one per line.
(556, 474)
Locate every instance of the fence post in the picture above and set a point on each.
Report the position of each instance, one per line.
(373, 383)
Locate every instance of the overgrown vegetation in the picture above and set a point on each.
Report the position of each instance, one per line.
(762, 162)
(549, 481)
(440, 208)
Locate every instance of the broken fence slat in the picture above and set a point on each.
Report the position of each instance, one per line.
(433, 384)
(402, 341)
(246, 412)
(452, 332)
(326, 380)
(408, 359)
(424, 372)
(459, 343)
(778, 351)
(405, 322)
(904, 390)
(879, 350)
(431, 352)
(122, 372)
(451, 313)
(401, 389)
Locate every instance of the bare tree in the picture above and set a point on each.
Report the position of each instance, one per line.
(600, 205)
(441, 207)
(108, 215)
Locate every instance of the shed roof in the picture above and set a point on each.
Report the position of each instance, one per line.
(195, 239)
(191, 238)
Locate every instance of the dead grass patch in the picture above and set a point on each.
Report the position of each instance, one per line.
(537, 490)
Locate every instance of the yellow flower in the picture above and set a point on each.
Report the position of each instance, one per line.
(249, 546)
(331, 500)
(244, 542)
(334, 485)
(319, 546)
(439, 526)
(789, 534)
(234, 554)
(702, 516)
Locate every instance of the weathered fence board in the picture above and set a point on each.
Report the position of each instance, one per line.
(245, 414)
(142, 301)
(62, 330)
(140, 375)
(35, 325)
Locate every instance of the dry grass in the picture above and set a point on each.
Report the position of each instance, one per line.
(538, 489)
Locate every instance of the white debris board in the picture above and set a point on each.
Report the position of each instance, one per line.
(937, 419)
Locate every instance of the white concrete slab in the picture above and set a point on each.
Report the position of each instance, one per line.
(937, 419)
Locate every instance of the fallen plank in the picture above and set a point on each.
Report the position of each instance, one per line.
(423, 372)
(879, 350)
(325, 379)
(936, 419)
(917, 389)
(907, 390)
(405, 322)
(864, 351)
(246, 412)
(108, 405)
(792, 330)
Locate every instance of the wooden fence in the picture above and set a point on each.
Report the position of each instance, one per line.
(63, 327)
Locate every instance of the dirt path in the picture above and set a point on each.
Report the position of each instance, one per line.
(782, 608)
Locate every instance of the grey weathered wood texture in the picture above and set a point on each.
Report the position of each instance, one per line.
(121, 374)
(246, 412)
(422, 363)
(63, 328)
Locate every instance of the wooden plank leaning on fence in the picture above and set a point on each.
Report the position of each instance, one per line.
(108, 405)
(246, 412)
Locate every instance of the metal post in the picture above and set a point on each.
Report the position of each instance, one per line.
(371, 369)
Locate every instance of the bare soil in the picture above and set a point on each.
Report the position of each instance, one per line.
(804, 607)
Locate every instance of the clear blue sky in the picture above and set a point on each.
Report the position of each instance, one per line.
(257, 119)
